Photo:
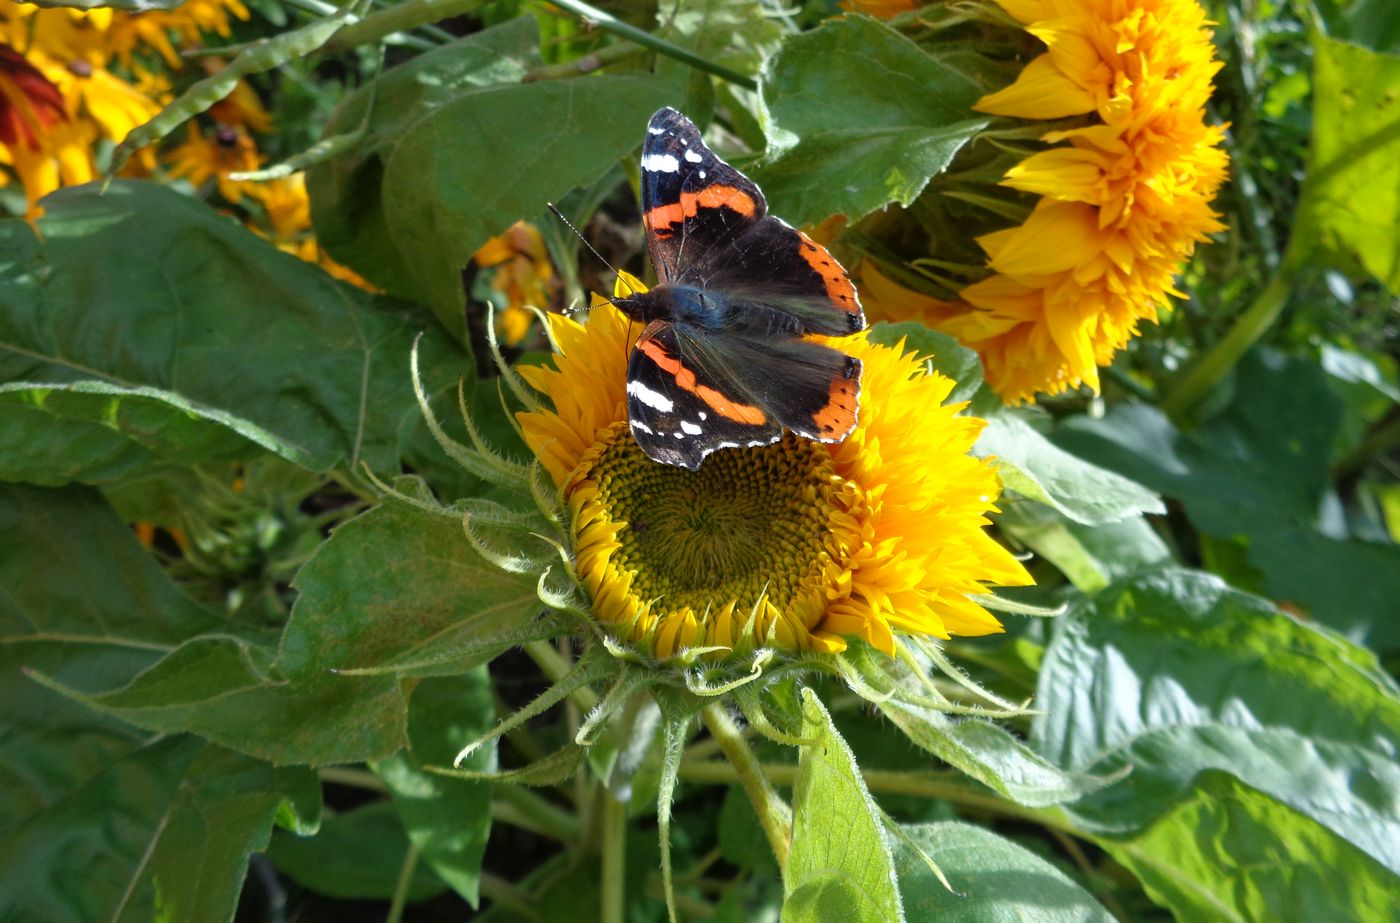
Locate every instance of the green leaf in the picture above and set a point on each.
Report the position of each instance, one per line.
(1226, 851)
(1242, 474)
(860, 117)
(163, 831)
(1176, 673)
(141, 326)
(1351, 199)
(447, 819)
(741, 839)
(1091, 557)
(399, 590)
(85, 603)
(356, 855)
(1037, 469)
(346, 207)
(943, 353)
(225, 689)
(840, 854)
(738, 34)
(994, 880)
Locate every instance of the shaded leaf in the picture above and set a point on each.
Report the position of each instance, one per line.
(860, 117)
(840, 861)
(995, 880)
(1091, 557)
(169, 826)
(447, 819)
(357, 854)
(173, 333)
(1242, 474)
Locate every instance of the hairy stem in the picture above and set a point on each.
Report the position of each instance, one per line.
(774, 816)
(614, 885)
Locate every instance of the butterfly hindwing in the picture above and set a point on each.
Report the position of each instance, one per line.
(683, 405)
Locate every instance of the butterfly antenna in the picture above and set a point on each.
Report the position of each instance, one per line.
(570, 225)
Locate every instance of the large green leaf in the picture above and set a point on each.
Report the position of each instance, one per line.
(860, 117)
(993, 880)
(1228, 852)
(169, 826)
(1036, 468)
(447, 819)
(1174, 673)
(141, 326)
(400, 590)
(840, 867)
(1243, 474)
(346, 207)
(1351, 199)
(1091, 557)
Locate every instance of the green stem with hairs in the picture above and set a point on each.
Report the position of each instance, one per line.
(774, 816)
(614, 884)
(520, 807)
(556, 667)
(609, 23)
(400, 900)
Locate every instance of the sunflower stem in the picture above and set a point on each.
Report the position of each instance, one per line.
(774, 816)
(400, 18)
(556, 668)
(520, 807)
(1207, 371)
(614, 885)
(400, 899)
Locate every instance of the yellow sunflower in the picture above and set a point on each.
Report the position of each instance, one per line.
(1125, 199)
(796, 546)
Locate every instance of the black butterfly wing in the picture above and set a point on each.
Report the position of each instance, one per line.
(708, 226)
(693, 203)
(683, 402)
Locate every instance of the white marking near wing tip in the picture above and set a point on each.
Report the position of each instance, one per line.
(653, 399)
(702, 174)
(703, 415)
(661, 163)
(638, 425)
(655, 131)
(691, 428)
(694, 157)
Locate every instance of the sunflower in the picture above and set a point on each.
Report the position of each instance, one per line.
(797, 546)
(1124, 199)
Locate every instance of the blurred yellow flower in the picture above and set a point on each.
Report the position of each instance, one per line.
(523, 275)
(287, 223)
(797, 546)
(202, 157)
(1124, 199)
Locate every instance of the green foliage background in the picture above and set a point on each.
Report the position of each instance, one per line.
(240, 729)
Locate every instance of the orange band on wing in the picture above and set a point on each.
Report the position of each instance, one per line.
(838, 284)
(663, 216)
(838, 417)
(685, 379)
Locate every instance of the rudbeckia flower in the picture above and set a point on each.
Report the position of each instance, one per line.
(523, 275)
(799, 546)
(203, 157)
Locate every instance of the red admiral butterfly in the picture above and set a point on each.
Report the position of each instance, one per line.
(723, 361)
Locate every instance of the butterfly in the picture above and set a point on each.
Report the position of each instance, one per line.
(724, 359)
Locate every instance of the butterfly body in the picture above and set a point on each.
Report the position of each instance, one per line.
(725, 358)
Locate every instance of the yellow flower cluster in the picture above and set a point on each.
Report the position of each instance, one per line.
(1124, 199)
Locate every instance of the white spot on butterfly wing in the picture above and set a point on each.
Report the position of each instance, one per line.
(653, 399)
(661, 163)
(691, 428)
(693, 157)
(655, 131)
(642, 427)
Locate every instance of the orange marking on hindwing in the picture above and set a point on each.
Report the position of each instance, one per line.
(838, 284)
(685, 379)
(838, 417)
(663, 216)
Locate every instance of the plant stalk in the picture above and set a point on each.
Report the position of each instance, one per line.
(774, 816)
(401, 18)
(614, 884)
(410, 863)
